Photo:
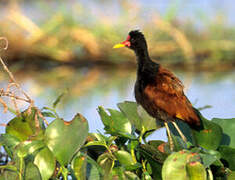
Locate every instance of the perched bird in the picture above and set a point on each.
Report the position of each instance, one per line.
(157, 89)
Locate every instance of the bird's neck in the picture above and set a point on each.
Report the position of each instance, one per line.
(142, 58)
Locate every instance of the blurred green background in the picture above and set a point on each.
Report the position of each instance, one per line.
(57, 46)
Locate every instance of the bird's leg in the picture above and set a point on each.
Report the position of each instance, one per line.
(169, 136)
(180, 132)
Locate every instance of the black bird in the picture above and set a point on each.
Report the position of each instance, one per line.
(157, 89)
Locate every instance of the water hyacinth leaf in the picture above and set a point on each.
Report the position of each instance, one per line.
(106, 162)
(133, 167)
(148, 122)
(69, 135)
(208, 159)
(95, 143)
(121, 173)
(130, 110)
(210, 136)
(154, 161)
(120, 122)
(78, 165)
(231, 176)
(130, 175)
(9, 172)
(29, 147)
(228, 126)
(160, 147)
(124, 158)
(45, 161)
(94, 171)
(196, 171)
(115, 123)
(228, 154)
(32, 172)
(151, 150)
(9, 142)
(23, 126)
(9, 175)
(85, 167)
(175, 165)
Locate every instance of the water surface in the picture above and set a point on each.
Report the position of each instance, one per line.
(90, 88)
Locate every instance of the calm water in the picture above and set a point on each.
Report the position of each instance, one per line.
(89, 89)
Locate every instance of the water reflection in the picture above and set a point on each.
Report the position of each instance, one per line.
(88, 89)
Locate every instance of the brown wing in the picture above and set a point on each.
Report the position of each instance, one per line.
(167, 94)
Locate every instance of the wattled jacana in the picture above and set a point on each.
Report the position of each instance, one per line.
(157, 89)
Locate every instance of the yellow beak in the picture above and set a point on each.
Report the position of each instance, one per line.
(118, 45)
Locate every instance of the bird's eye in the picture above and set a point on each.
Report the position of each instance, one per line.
(133, 40)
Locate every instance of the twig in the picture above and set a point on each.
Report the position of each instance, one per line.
(11, 75)
(9, 94)
(4, 105)
(41, 116)
(13, 80)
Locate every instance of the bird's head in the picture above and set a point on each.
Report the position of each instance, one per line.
(135, 40)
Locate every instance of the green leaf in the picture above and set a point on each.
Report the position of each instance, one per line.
(9, 142)
(106, 162)
(122, 174)
(9, 175)
(28, 147)
(231, 176)
(95, 143)
(148, 122)
(65, 138)
(124, 158)
(94, 171)
(116, 123)
(208, 159)
(45, 162)
(85, 167)
(175, 165)
(210, 136)
(32, 172)
(58, 99)
(228, 126)
(23, 126)
(48, 114)
(196, 171)
(228, 154)
(154, 158)
(79, 165)
(130, 110)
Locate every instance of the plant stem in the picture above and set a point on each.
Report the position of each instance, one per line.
(133, 155)
(64, 173)
(141, 135)
(21, 168)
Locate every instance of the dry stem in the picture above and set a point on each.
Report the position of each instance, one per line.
(9, 93)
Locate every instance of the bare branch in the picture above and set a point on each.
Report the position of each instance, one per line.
(4, 105)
